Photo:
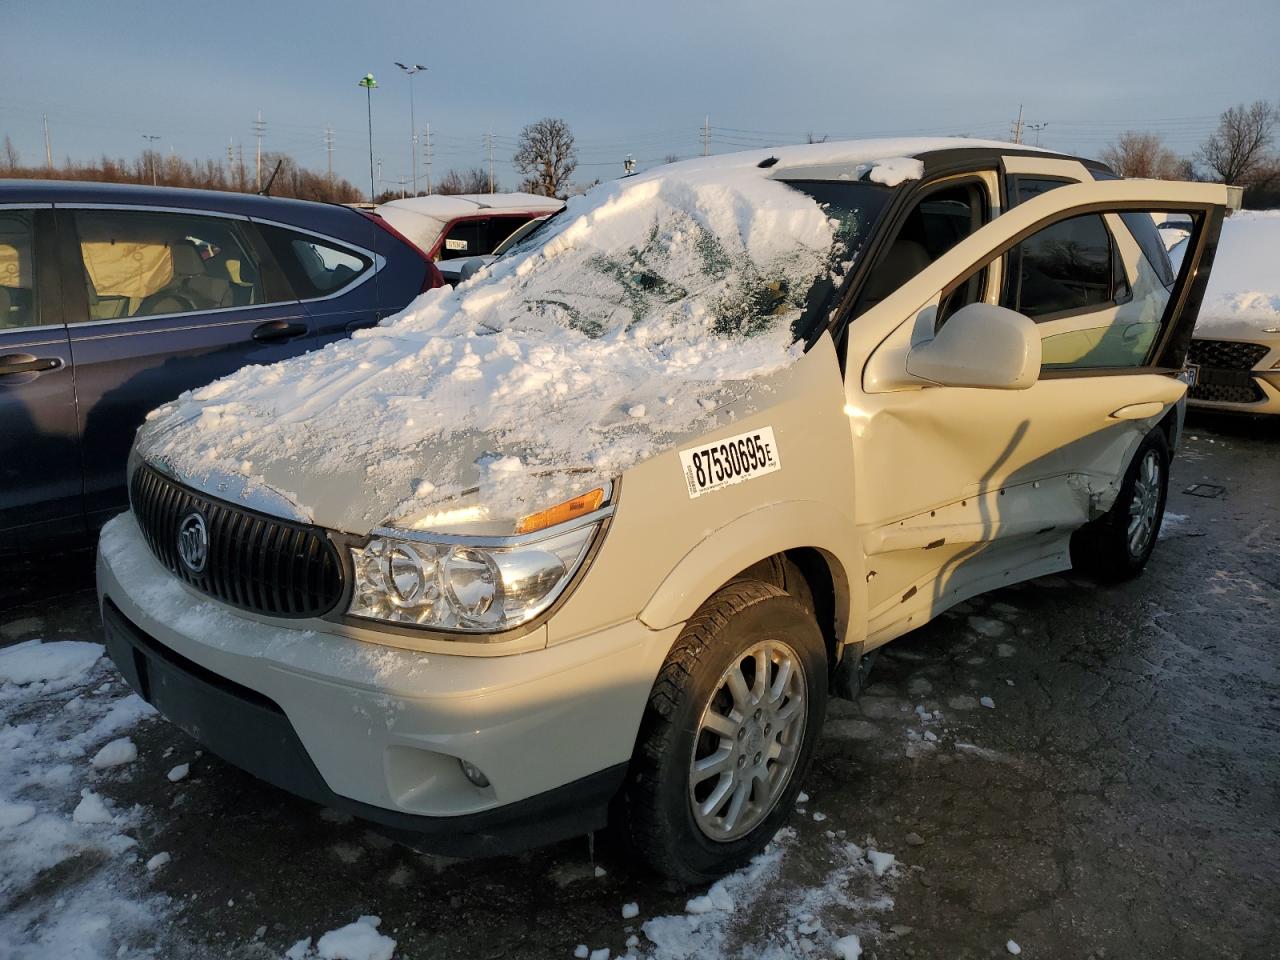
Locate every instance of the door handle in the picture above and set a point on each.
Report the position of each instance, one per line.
(276, 330)
(26, 363)
(364, 324)
(1138, 411)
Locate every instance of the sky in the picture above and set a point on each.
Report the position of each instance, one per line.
(638, 79)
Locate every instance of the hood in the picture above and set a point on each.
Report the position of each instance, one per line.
(652, 311)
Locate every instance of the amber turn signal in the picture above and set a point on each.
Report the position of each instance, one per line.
(562, 512)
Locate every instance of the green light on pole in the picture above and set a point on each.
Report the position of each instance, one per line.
(369, 83)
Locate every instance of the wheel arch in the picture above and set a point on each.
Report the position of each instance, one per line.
(823, 546)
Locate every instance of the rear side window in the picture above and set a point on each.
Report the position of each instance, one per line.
(468, 238)
(315, 267)
(18, 306)
(502, 227)
(1067, 266)
(142, 264)
(1144, 230)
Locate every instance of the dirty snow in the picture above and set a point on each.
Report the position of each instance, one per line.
(595, 345)
(61, 706)
(1243, 297)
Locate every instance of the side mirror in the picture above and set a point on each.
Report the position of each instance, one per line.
(473, 266)
(981, 345)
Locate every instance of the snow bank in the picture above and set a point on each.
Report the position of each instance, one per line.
(1243, 298)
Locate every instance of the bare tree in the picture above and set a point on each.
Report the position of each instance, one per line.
(1136, 154)
(1237, 151)
(11, 159)
(475, 180)
(814, 138)
(671, 158)
(548, 156)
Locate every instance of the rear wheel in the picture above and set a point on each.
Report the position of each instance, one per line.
(728, 733)
(1117, 546)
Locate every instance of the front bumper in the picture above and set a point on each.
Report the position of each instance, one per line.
(378, 731)
(1268, 384)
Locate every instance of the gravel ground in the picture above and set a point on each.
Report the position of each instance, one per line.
(1116, 795)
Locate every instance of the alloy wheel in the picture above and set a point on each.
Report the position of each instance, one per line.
(748, 741)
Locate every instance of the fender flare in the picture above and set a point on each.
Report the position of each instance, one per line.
(771, 529)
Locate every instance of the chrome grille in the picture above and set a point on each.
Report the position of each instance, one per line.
(254, 562)
(1227, 354)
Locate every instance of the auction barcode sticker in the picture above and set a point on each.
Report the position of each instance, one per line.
(730, 461)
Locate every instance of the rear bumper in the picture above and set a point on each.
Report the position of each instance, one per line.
(379, 731)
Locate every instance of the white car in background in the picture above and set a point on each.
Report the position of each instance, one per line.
(462, 268)
(454, 227)
(1235, 353)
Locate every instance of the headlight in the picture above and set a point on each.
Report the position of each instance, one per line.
(464, 583)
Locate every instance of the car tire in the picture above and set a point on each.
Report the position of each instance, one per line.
(1116, 546)
(695, 722)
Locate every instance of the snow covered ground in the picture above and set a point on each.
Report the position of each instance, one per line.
(65, 716)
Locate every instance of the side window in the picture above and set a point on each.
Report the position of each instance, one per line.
(934, 225)
(1147, 234)
(502, 227)
(1067, 266)
(314, 267)
(18, 306)
(141, 264)
(464, 239)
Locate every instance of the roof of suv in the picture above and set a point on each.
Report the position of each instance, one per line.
(86, 191)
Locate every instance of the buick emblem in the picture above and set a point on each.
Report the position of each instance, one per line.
(193, 542)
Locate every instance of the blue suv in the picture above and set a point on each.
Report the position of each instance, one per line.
(115, 299)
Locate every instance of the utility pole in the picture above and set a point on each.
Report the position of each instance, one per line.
(48, 150)
(706, 136)
(230, 156)
(379, 177)
(151, 139)
(369, 83)
(328, 145)
(1017, 126)
(240, 177)
(628, 166)
(258, 127)
(413, 124)
(427, 136)
(1037, 127)
(488, 142)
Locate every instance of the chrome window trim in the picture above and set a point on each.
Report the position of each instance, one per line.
(89, 324)
(31, 205)
(34, 343)
(378, 261)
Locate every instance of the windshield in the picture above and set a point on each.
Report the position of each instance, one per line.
(684, 261)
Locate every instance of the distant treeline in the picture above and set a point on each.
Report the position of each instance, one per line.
(152, 166)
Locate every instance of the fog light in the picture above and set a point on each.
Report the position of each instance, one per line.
(474, 774)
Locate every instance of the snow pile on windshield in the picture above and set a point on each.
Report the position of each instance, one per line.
(589, 348)
(1243, 297)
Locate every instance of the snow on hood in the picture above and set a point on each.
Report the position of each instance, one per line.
(621, 329)
(1243, 297)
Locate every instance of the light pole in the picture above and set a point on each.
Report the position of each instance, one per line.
(151, 139)
(413, 125)
(369, 83)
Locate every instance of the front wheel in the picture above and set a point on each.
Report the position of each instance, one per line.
(728, 733)
(1117, 545)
